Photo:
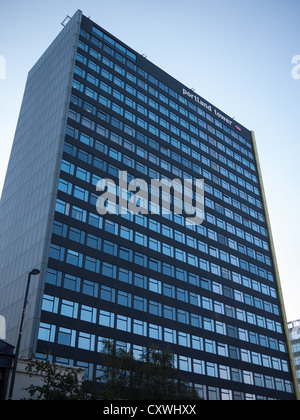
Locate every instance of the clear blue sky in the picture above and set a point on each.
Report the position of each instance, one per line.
(237, 54)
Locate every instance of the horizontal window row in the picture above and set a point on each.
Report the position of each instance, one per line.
(104, 166)
(91, 125)
(219, 371)
(148, 171)
(116, 45)
(108, 319)
(170, 291)
(213, 393)
(114, 171)
(177, 293)
(181, 255)
(187, 150)
(139, 238)
(90, 342)
(183, 238)
(136, 113)
(165, 89)
(168, 154)
(94, 265)
(138, 118)
(96, 221)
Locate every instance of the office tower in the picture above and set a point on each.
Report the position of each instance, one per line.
(209, 291)
(294, 330)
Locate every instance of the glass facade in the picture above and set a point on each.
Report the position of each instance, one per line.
(294, 330)
(208, 292)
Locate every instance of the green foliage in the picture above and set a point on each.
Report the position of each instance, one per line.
(153, 377)
(57, 383)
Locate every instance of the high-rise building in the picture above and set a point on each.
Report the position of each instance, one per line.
(294, 329)
(210, 291)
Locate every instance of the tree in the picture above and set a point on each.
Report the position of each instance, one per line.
(57, 383)
(153, 377)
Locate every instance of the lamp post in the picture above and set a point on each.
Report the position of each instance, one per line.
(33, 272)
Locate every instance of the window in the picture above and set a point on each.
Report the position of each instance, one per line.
(182, 316)
(212, 369)
(108, 270)
(140, 327)
(210, 346)
(126, 233)
(169, 312)
(72, 282)
(141, 259)
(88, 314)
(222, 349)
(57, 252)
(74, 258)
(53, 277)
(184, 339)
(125, 275)
(123, 323)
(66, 337)
(125, 253)
(269, 382)
(106, 319)
(207, 303)
(168, 250)
(155, 332)
(185, 363)
(62, 207)
(76, 235)
(154, 244)
(180, 255)
(86, 341)
(93, 241)
(140, 304)
(170, 335)
(196, 320)
(154, 285)
(108, 247)
(224, 372)
(69, 308)
(154, 308)
(204, 265)
(232, 331)
(107, 293)
(78, 214)
(199, 366)
(92, 264)
(124, 299)
(46, 332)
(236, 375)
(197, 343)
(140, 281)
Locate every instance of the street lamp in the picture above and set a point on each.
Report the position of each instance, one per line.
(33, 272)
